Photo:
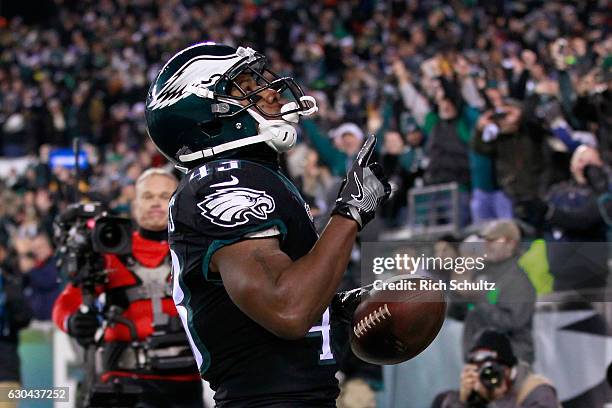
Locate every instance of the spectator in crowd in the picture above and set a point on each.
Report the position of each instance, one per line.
(337, 150)
(15, 314)
(575, 223)
(516, 149)
(506, 383)
(447, 128)
(445, 247)
(450, 247)
(316, 183)
(488, 200)
(40, 274)
(46, 209)
(509, 308)
(401, 159)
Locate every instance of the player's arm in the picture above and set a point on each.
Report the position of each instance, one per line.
(285, 296)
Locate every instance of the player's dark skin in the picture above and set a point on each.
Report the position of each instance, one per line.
(284, 296)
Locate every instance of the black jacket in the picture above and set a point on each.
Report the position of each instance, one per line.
(15, 314)
(448, 155)
(577, 248)
(520, 158)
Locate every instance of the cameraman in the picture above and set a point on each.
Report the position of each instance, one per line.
(493, 377)
(138, 289)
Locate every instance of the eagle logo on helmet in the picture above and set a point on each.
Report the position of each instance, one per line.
(199, 72)
(230, 207)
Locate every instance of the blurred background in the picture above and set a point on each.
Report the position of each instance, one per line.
(485, 110)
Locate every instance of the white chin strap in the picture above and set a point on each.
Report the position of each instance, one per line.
(279, 134)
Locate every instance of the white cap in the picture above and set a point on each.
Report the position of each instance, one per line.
(347, 127)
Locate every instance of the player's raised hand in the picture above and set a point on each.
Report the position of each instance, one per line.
(367, 150)
(364, 189)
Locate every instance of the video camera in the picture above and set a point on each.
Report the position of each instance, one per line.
(83, 233)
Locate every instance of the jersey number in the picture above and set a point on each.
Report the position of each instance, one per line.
(325, 329)
(205, 169)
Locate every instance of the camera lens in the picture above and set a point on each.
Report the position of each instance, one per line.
(110, 235)
(491, 375)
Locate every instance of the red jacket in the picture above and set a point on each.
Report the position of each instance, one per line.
(149, 254)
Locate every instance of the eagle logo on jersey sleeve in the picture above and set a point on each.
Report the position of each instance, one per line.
(230, 207)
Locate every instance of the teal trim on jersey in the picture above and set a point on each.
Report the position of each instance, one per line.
(220, 243)
(206, 359)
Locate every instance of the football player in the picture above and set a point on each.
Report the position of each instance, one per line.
(252, 280)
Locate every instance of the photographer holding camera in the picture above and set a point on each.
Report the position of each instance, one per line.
(493, 378)
(144, 345)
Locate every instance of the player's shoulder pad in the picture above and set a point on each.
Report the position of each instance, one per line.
(232, 195)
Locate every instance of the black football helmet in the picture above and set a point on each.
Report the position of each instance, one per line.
(196, 109)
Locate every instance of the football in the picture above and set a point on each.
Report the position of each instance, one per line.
(392, 326)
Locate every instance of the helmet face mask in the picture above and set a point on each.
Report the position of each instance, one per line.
(265, 79)
(196, 108)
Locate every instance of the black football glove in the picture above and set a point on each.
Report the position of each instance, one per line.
(342, 308)
(344, 304)
(364, 188)
(82, 326)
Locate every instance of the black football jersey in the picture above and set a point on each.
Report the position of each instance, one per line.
(218, 204)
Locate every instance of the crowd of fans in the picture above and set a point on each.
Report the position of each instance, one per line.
(509, 100)
(494, 96)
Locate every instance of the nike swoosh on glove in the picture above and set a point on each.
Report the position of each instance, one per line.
(364, 189)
